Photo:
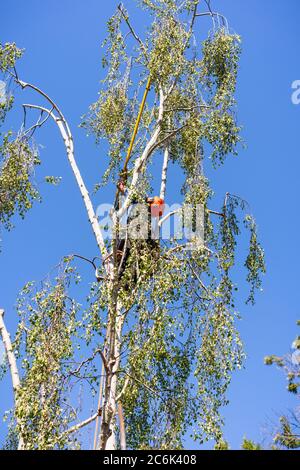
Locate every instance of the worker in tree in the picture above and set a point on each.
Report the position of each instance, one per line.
(155, 209)
(156, 206)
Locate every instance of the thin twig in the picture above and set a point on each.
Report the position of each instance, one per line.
(134, 34)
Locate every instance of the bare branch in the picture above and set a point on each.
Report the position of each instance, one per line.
(136, 37)
(83, 363)
(213, 14)
(199, 280)
(80, 425)
(96, 432)
(191, 108)
(216, 213)
(92, 262)
(38, 124)
(104, 361)
(68, 140)
(168, 137)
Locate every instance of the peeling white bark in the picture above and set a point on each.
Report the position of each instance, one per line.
(14, 372)
(110, 409)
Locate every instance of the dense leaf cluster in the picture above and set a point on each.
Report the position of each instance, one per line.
(17, 189)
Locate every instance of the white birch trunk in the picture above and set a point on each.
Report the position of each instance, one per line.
(110, 409)
(14, 372)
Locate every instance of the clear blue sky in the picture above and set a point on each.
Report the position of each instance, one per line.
(62, 41)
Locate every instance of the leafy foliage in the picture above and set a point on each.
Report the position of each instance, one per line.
(17, 157)
(180, 337)
(17, 191)
(170, 311)
(255, 260)
(54, 180)
(9, 54)
(12, 439)
(45, 341)
(222, 445)
(250, 445)
(219, 73)
(288, 435)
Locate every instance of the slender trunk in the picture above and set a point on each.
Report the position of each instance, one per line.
(109, 412)
(15, 377)
(122, 427)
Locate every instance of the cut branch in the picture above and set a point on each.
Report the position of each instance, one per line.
(81, 425)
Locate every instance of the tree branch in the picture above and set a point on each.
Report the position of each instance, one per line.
(168, 137)
(123, 389)
(213, 14)
(191, 108)
(142, 383)
(136, 37)
(89, 359)
(68, 141)
(167, 216)
(216, 213)
(38, 124)
(80, 425)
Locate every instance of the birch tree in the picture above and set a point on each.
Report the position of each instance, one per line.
(163, 318)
